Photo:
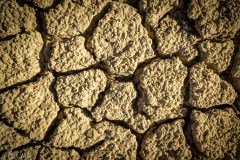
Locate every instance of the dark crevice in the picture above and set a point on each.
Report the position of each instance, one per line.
(122, 124)
(74, 72)
(55, 122)
(85, 111)
(10, 37)
(54, 125)
(38, 154)
(32, 80)
(189, 138)
(9, 124)
(100, 97)
(88, 149)
(94, 22)
(223, 106)
(186, 92)
(32, 5)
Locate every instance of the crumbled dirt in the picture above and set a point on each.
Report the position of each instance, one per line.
(119, 79)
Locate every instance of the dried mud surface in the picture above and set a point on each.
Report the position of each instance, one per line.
(120, 79)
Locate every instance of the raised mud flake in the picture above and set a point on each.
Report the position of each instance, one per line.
(14, 18)
(52, 153)
(167, 142)
(70, 55)
(28, 153)
(123, 46)
(217, 55)
(216, 133)
(161, 86)
(72, 18)
(215, 18)
(10, 139)
(78, 130)
(154, 9)
(20, 58)
(82, 89)
(207, 89)
(30, 107)
(235, 72)
(175, 36)
(118, 105)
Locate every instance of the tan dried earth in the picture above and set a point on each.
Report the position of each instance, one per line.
(120, 79)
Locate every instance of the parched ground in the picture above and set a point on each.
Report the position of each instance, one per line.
(120, 79)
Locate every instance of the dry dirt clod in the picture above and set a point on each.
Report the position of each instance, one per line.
(82, 89)
(48, 153)
(120, 40)
(215, 18)
(28, 153)
(175, 36)
(217, 55)
(216, 133)
(30, 107)
(10, 139)
(236, 71)
(167, 142)
(15, 18)
(20, 58)
(207, 89)
(154, 9)
(72, 18)
(161, 86)
(118, 105)
(77, 130)
(70, 55)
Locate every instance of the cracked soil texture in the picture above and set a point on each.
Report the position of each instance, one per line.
(120, 79)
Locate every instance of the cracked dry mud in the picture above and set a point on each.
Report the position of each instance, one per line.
(120, 79)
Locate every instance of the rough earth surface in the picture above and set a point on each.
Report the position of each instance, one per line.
(207, 89)
(155, 10)
(20, 62)
(118, 104)
(220, 132)
(82, 89)
(215, 18)
(217, 55)
(175, 36)
(70, 55)
(15, 18)
(166, 142)
(30, 107)
(124, 46)
(120, 79)
(161, 85)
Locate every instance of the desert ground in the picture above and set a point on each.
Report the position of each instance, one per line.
(120, 79)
